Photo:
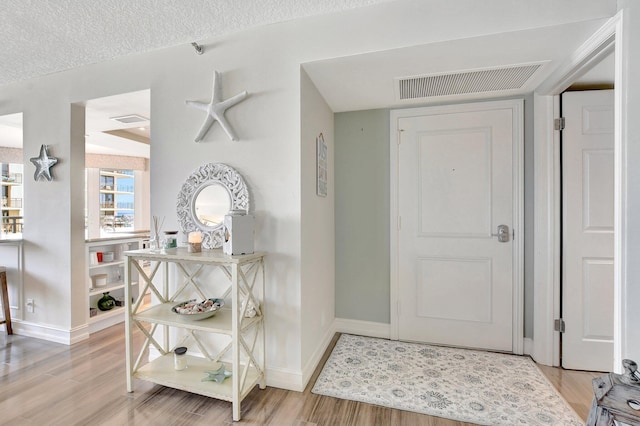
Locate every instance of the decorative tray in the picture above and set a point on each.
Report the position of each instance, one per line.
(194, 310)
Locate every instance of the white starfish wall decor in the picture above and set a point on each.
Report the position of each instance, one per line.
(43, 164)
(216, 108)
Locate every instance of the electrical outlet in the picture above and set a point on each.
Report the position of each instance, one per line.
(30, 305)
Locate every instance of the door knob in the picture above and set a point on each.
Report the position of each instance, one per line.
(503, 233)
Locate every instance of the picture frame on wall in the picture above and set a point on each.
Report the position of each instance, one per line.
(321, 166)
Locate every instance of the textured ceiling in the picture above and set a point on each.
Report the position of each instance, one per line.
(44, 37)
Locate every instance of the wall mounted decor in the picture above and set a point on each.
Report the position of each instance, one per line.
(207, 195)
(216, 108)
(321, 166)
(43, 164)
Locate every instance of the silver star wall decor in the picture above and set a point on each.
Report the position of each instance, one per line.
(216, 108)
(43, 164)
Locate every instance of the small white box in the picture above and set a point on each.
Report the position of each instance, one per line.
(238, 233)
(99, 280)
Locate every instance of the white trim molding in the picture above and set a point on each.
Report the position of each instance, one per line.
(547, 256)
(316, 357)
(528, 346)
(298, 380)
(624, 331)
(51, 334)
(546, 231)
(363, 328)
(588, 55)
(284, 379)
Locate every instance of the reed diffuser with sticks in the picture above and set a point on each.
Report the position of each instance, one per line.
(155, 238)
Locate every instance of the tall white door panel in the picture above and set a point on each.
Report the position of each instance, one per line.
(587, 175)
(456, 195)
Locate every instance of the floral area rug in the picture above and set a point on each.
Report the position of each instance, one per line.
(466, 385)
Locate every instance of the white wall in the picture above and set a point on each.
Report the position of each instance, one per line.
(317, 229)
(76, 186)
(266, 62)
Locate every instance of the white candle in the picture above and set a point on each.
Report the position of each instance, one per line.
(195, 242)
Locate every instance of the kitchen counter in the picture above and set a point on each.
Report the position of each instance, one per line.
(118, 236)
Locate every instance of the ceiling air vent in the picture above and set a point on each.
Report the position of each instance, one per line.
(459, 83)
(128, 119)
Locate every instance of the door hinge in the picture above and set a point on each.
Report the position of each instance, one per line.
(400, 136)
(558, 325)
(558, 123)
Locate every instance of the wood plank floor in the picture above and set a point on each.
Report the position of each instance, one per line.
(44, 383)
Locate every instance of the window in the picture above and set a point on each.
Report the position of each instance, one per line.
(117, 195)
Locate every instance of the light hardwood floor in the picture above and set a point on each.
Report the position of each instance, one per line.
(44, 383)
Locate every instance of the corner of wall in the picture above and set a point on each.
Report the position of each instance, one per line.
(317, 273)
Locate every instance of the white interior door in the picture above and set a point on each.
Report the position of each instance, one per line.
(456, 185)
(588, 215)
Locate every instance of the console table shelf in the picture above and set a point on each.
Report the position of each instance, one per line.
(161, 371)
(240, 321)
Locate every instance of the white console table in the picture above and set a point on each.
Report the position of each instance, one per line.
(241, 320)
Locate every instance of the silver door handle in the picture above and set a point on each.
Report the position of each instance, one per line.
(503, 233)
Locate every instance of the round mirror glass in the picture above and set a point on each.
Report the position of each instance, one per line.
(211, 204)
(206, 196)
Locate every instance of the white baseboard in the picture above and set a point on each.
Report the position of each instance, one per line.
(312, 363)
(297, 381)
(51, 334)
(363, 328)
(528, 346)
(531, 350)
(101, 324)
(285, 379)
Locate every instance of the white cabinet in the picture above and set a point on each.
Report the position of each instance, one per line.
(233, 337)
(105, 274)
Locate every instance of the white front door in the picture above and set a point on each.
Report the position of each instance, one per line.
(587, 252)
(457, 183)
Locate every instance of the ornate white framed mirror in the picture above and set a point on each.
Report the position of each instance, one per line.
(206, 196)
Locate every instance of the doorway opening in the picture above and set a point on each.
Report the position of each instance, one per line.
(117, 157)
(547, 262)
(12, 175)
(587, 211)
